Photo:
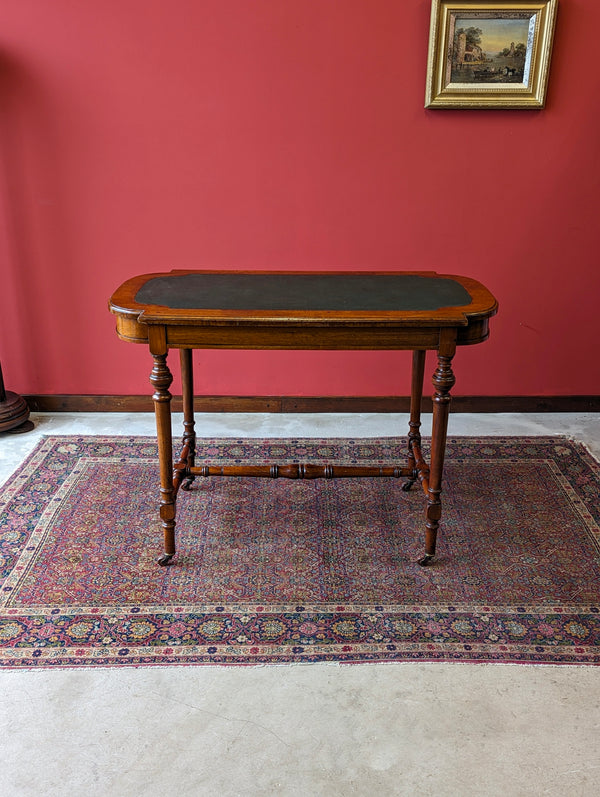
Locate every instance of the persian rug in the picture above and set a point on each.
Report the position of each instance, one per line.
(277, 571)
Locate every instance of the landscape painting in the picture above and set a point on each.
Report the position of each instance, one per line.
(491, 49)
(489, 53)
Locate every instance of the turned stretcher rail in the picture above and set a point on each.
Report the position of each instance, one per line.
(421, 466)
(297, 471)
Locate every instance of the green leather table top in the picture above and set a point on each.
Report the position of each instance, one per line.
(319, 292)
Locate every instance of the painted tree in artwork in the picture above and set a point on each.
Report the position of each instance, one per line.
(467, 41)
(473, 36)
(515, 50)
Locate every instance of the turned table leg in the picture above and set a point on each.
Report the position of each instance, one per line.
(161, 379)
(188, 455)
(414, 425)
(443, 381)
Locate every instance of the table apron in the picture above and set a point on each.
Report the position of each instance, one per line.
(329, 338)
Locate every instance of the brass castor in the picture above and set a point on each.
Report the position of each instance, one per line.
(165, 559)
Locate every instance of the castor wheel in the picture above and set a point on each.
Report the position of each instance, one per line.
(426, 560)
(186, 484)
(165, 559)
(407, 485)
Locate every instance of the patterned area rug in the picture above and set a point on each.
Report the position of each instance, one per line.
(274, 571)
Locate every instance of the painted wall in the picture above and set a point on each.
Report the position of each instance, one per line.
(144, 135)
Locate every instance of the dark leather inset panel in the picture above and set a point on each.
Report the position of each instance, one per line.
(303, 292)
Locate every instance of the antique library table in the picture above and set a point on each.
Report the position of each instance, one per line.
(187, 310)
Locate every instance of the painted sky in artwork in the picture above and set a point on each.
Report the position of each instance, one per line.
(497, 33)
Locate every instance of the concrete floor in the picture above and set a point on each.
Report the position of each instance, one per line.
(305, 730)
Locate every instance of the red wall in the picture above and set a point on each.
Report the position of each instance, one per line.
(144, 135)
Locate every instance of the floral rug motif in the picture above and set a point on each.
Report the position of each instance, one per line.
(276, 570)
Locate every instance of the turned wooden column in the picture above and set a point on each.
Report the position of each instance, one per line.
(443, 382)
(188, 454)
(14, 412)
(415, 459)
(161, 379)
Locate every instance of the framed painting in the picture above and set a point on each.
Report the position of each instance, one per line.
(485, 54)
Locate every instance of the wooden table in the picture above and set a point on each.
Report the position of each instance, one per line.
(417, 311)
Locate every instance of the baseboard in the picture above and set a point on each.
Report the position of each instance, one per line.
(317, 404)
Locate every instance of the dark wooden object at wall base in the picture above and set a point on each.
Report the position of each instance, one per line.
(14, 412)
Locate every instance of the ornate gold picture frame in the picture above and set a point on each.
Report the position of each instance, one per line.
(489, 54)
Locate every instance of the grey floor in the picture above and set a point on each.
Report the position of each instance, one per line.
(315, 729)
